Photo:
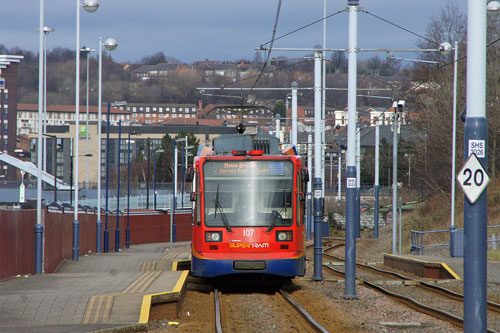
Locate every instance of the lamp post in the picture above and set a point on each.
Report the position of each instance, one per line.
(154, 174)
(39, 223)
(110, 44)
(86, 51)
(90, 6)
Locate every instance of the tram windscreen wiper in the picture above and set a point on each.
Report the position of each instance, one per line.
(221, 212)
(276, 216)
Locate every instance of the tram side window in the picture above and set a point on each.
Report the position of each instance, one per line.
(298, 203)
(198, 200)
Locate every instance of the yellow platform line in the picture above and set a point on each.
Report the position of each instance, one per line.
(146, 299)
(443, 264)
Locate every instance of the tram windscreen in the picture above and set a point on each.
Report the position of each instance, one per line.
(248, 193)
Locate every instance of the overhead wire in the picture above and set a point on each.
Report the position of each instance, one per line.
(276, 19)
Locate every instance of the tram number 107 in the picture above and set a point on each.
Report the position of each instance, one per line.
(248, 232)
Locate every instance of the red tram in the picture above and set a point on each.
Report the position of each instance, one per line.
(248, 212)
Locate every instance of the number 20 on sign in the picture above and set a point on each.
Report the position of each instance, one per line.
(473, 178)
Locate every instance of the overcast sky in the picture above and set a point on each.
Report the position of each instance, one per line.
(212, 29)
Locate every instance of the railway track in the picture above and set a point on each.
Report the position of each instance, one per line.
(417, 299)
(297, 318)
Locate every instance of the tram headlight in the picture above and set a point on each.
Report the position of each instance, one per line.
(284, 236)
(213, 236)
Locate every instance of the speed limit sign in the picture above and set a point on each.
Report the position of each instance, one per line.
(473, 178)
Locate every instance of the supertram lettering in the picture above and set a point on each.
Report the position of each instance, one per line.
(248, 245)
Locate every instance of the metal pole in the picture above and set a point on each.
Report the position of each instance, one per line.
(350, 248)
(117, 230)
(454, 139)
(87, 128)
(154, 179)
(339, 178)
(318, 274)
(127, 232)
(175, 189)
(358, 182)
(323, 109)
(331, 171)
(148, 175)
(39, 222)
(400, 223)
(309, 188)
(278, 130)
(106, 231)
(44, 114)
(76, 223)
(476, 131)
(99, 152)
(54, 153)
(294, 113)
(377, 181)
(394, 180)
(182, 177)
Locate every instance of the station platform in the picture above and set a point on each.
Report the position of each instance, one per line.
(98, 291)
(452, 266)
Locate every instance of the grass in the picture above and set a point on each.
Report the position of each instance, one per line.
(493, 255)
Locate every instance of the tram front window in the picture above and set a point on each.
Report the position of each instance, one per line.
(248, 193)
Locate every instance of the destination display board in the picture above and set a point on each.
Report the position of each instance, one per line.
(247, 168)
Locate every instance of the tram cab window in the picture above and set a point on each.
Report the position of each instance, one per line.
(298, 215)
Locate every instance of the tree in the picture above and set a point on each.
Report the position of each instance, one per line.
(165, 162)
(280, 108)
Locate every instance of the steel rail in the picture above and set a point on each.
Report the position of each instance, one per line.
(492, 306)
(218, 326)
(310, 320)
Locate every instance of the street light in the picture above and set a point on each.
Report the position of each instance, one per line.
(110, 44)
(39, 223)
(154, 173)
(46, 31)
(86, 51)
(90, 6)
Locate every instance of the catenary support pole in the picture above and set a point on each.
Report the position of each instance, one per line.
(454, 140)
(99, 152)
(117, 230)
(39, 221)
(309, 188)
(106, 230)
(377, 181)
(476, 130)
(294, 113)
(318, 196)
(350, 248)
(394, 180)
(358, 181)
(127, 231)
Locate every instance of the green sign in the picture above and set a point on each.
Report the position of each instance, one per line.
(83, 131)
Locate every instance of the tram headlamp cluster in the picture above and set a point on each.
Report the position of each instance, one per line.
(213, 236)
(284, 236)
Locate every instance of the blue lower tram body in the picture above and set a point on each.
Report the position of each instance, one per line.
(215, 267)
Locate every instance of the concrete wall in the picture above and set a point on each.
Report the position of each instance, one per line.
(17, 236)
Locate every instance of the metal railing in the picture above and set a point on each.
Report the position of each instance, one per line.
(418, 242)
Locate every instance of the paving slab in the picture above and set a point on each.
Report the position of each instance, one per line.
(95, 292)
